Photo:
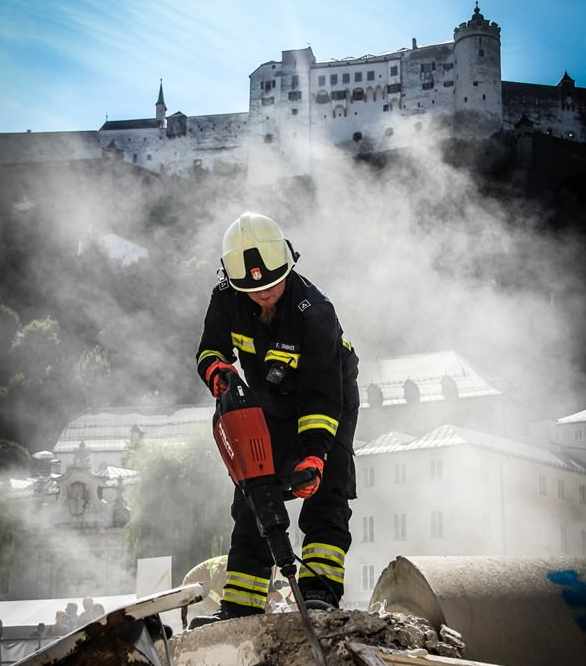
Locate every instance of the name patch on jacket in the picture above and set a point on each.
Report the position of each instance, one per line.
(286, 346)
(304, 305)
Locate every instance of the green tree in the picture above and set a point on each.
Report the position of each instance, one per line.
(181, 507)
(42, 391)
(13, 456)
(9, 327)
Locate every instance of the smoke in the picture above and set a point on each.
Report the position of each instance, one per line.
(417, 256)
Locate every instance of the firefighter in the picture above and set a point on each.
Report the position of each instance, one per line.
(211, 575)
(286, 336)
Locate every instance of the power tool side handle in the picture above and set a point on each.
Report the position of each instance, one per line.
(298, 479)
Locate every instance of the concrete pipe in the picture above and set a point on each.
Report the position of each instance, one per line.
(517, 611)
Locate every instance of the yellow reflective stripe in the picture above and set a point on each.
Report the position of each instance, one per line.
(248, 582)
(347, 344)
(214, 596)
(317, 421)
(323, 551)
(243, 342)
(324, 559)
(206, 353)
(245, 598)
(288, 358)
(333, 573)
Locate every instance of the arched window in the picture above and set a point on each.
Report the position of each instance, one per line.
(357, 94)
(322, 97)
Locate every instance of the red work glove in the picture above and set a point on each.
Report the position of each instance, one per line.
(313, 468)
(216, 379)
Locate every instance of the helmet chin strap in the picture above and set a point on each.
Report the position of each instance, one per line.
(294, 254)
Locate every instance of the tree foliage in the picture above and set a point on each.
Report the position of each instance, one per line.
(13, 457)
(181, 507)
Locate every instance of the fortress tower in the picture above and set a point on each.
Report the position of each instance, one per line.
(478, 86)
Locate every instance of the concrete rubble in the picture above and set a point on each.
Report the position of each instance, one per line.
(278, 639)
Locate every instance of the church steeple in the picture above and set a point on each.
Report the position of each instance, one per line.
(160, 107)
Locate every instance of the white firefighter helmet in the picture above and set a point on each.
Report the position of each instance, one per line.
(255, 255)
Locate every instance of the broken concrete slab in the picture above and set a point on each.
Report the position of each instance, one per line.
(278, 639)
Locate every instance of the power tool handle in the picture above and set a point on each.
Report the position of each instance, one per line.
(298, 478)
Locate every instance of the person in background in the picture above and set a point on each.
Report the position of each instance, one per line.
(303, 373)
(98, 610)
(211, 574)
(87, 613)
(72, 616)
(39, 633)
(61, 626)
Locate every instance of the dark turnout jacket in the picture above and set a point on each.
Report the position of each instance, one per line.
(298, 365)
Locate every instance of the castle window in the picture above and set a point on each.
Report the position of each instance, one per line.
(484, 97)
(427, 67)
(346, 78)
(267, 101)
(321, 80)
(268, 138)
(480, 53)
(386, 107)
(357, 136)
(294, 81)
(448, 84)
(294, 111)
(338, 94)
(448, 66)
(475, 83)
(465, 99)
(394, 88)
(134, 158)
(322, 97)
(295, 95)
(357, 77)
(370, 75)
(149, 158)
(357, 94)
(333, 79)
(394, 70)
(427, 85)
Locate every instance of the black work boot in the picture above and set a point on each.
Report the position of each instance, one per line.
(227, 611)
(319, 599)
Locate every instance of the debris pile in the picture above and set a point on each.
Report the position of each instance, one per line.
(278, 639)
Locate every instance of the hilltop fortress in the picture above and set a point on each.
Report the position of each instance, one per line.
(299, 108)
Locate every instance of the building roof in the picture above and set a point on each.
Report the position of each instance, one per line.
(449, 435)
(140, 123)
(578, 417)
(387, 443)
(427, 371)
(111, 429)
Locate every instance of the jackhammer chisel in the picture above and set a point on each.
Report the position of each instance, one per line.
(242, 436)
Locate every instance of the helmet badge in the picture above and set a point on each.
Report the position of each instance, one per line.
(255, 273)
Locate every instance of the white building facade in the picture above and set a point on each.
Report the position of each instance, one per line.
(456, 491)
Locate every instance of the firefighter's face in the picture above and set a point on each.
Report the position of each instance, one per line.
(268, 297)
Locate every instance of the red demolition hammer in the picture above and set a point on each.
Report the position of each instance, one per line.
(242, 436)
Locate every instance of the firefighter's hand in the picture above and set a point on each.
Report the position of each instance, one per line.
(310, 471)
(216, 377)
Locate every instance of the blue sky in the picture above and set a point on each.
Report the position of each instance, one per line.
(69, 64)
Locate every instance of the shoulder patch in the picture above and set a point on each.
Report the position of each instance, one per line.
(304, 305)
(224, 284)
